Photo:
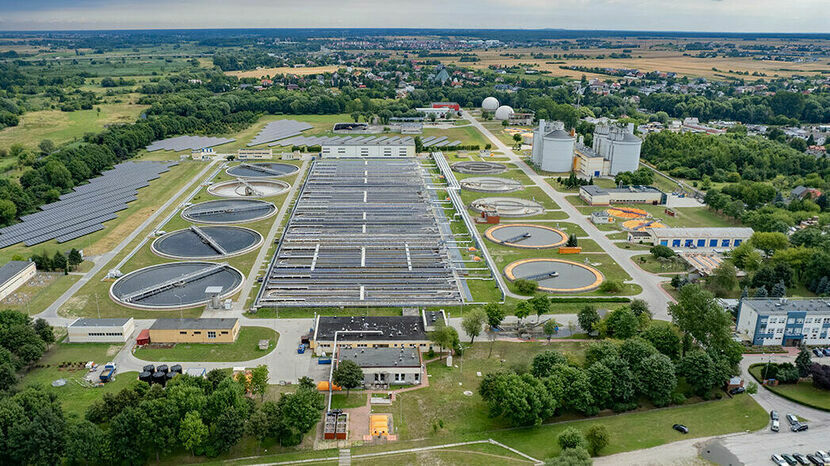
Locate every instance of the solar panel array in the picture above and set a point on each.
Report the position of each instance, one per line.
(279, 129)
(363, 233)
(180, 143)
(83, 210)
(432, 141)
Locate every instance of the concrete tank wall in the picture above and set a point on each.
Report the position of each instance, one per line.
(624, 156)
(557, 155)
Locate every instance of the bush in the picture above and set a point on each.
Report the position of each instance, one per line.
(571, 438)
(611, 286)
(678, 398)
(526, 287)
(752, 388)
(597, 438)
(661, 251)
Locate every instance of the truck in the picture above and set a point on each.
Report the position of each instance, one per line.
(107, 374)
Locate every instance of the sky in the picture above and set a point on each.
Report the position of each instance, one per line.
(798, 16)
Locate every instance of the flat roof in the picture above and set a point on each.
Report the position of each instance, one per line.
(702, 232)
(596, 190)
(111, 322)
(382, 357)
(11, 269)
(390, 327)
(194, 324)
(783, 306)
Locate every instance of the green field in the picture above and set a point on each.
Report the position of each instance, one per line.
(74, 397)
(354, 399)
(243, 349)
(803, 392)
(649, 263)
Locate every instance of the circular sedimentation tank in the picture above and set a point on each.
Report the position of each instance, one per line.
(490, 184)
(523, 235)
(627, 212)
(242, 188)
(508, 206)
(175, 285)
(262, 170)
(641, 225)
(229, 211)
(479, 168)
(207, 242)
(556, 275)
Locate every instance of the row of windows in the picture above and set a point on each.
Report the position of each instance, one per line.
(210, 333)
(105, 334)
(381, 377)
(701, 243)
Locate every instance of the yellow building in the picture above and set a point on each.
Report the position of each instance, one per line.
(194, 331)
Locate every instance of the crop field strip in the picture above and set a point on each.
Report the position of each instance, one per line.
(363, 233)
(84, 210)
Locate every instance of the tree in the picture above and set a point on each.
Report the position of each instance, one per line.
(779, 290)
(660, 251)
(588, 317)
(227, 431)
(259, 381)
(664, 338)
(543, 363)
(526, 287)
(521, 399)
(444, 336)
(700, 373)
(803, 362)
(540, 304)
(473, 322)
(258, 426)
(74, 257)
(571, 457)
(602, 384)
(657, 379)
(44, 331)
(348, 375)
(124, 446)
(723, 279)
(572, 241)
(639, 307)
(622, 323)
(571, 437)
(597, 437)
(84, 442)
(769, 242)
(698, 313)
(192, 432)
(495, 314)
(522, 310)
(299, 412)
(550, 328)
(8, 211)
(159, 424)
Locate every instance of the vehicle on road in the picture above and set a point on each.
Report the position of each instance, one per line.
(773, 415)
(798, 427)
(792, 419)
(775, 425)
(680, 428)
(736, 390)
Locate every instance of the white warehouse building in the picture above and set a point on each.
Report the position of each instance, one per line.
(615, 150)
(784, 321)
(115, 330)
(359, 147)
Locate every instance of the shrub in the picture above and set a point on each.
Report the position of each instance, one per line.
(571, 438)
(526, 287)
(611, 286)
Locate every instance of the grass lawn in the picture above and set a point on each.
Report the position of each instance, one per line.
(74, 397)
(650, 264)
(803, 392)
(686, 216)
(353, 400)
(42, 296)
(243, 349)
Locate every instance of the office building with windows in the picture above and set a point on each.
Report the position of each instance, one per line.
(784, 321)
(706, 238)
(224, 330)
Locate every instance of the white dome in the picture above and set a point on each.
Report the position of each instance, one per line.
(503, 112)
(490, 104)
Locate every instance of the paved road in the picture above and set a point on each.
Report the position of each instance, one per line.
(51, 312)
(652, 292)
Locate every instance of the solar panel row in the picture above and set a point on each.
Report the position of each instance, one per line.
(279, 129)
(180, 143)
(85, 209)
(344, 140)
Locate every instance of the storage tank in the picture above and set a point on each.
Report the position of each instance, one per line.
(177, 368)
(503, 113)
(490, 104)
(145, 377)
(162, 368)
(557, 152)
(160, 378)
(149, 368)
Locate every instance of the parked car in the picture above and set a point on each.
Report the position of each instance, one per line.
(778, 460)
(823, 455)
(789, 459)
(773, 415)
(819, 353)
(826, 351)
(801, 458)
(736, 390)
(680, 428)
(814, 459)
(792, 419)
(798, 427)
(775, 425)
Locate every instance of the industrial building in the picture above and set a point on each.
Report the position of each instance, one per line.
(385, 366)
(214, 330)
(375, 331)
(254, 154)
(615, 150)
(699, 238)
(15, 274)
(115, 330)
(450, 105)
(521, 118)
(784, 321)
(366, 147)
(594, 195)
